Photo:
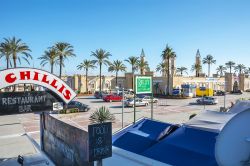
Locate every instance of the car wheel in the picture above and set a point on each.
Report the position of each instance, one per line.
(146, 104)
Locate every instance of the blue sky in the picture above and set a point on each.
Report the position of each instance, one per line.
(123, 27)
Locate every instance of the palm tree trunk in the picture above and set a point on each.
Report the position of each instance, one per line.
(230, 67)
(133, 72)
(14, 61)
(87, 89)
(116, 75)
(208, 70)
(8, 61)
(52, 68)
(100, 81)
(60, 74)
(168, 77)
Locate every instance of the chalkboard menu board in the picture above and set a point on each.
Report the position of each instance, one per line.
(100, 141)
(25, 102)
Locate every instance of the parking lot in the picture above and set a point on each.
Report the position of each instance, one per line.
(166, 110)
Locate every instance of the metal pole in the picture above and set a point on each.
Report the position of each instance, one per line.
(225, 96)
(152, 106)
(99, 163)
(152, 103)
(134, 100)
(122, 105)
(203, 99)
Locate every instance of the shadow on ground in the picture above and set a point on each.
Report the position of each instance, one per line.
(101, 101)
(89, 98)
(125, 112)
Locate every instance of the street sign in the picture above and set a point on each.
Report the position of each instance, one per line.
(57, 106)
(100, 141)
(143, 84)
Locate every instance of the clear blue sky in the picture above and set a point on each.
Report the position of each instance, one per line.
(123, 27)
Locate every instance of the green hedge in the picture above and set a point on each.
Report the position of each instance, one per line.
(68, 111)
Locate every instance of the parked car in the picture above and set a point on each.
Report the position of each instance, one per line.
(248, 90)
(76, 104)
(127, 94)
(239, 92)
(138, 102)
(148, 99)
(207, 100)
(112, 97)
(219, 93)
(100, 95)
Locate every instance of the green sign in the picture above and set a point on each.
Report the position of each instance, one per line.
(143, 84)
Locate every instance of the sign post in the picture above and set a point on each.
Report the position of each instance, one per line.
(203, 89)
(100, 142)
(143, 85)
(122, 105)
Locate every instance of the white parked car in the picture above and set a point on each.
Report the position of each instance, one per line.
(138, 102)
(148, 99)
(207, 100)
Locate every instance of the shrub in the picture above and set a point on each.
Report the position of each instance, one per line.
(101, 115)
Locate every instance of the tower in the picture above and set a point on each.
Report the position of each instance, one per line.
(142, 61)
(198, 63)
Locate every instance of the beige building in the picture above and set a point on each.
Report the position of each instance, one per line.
(78, 82)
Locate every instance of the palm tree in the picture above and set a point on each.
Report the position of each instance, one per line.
(63, 51)
(240, 68)
(167, 55)
(181, 70)
(102, 57)
(86, 65)
(230, 65)
(116, 66)
(143, 65)
(101, 115)
(50, 56)
(209, 60)
(17, 47)
(162, 68)
(5, 50)
(247, 70)
(133, 61)
(221, 69)
(197, 68)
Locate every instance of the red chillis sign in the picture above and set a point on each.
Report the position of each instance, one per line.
(15, 76)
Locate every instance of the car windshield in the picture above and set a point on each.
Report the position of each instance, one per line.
(71, 103)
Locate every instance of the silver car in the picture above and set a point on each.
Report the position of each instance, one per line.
(138, 102)
(148, 99)
(207, 100)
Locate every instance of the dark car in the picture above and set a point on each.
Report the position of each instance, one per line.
(100, 95)
(220, 93)
(76, 104)
(239, 92)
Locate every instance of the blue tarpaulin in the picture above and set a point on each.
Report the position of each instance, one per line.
(184, 146)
